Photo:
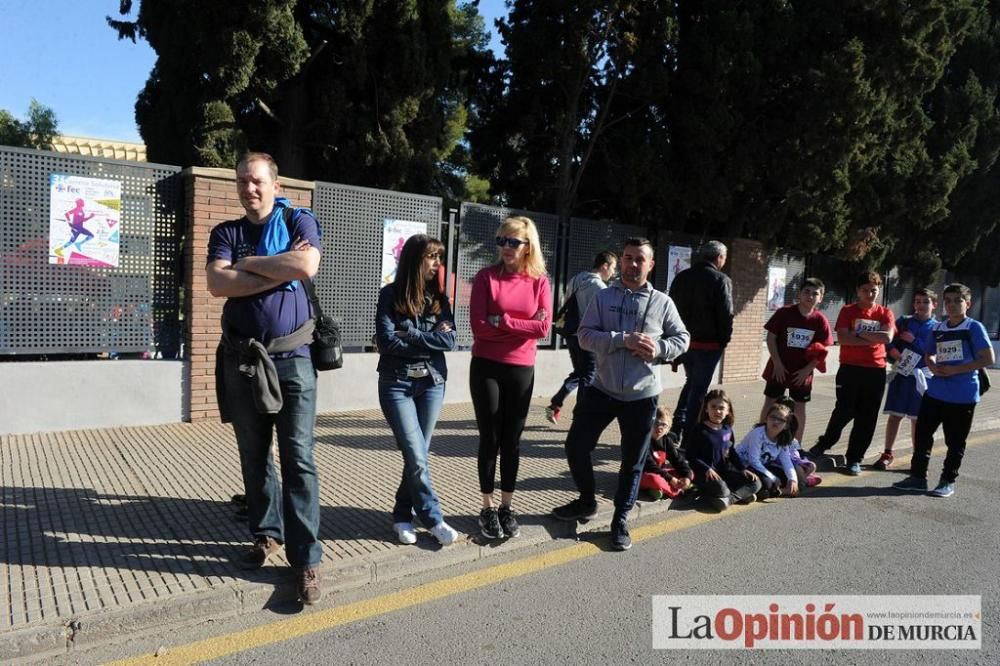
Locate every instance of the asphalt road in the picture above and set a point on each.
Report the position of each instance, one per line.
(849, 536)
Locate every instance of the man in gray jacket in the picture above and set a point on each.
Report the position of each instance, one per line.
(632, 328)
(583, 288)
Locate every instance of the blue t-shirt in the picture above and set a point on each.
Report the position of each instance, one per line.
(273, 313)
(955, 346)
(919, 329)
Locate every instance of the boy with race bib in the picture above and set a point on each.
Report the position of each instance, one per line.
(909, 380)
(863, 330)
(797, 338)
(955, 350)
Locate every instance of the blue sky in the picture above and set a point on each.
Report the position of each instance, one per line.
(62, 53)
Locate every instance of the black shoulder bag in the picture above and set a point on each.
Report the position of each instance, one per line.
(326, 349)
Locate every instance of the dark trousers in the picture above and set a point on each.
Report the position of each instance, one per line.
(957, 421)
(584, 367)
(699, 370)
(731, 482)
(501, 396)
(594, 411)
(859, 396)
(288, 512)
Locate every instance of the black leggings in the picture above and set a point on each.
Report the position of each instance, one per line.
(501, 396)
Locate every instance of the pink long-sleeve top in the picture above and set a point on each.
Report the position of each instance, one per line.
(517, 298)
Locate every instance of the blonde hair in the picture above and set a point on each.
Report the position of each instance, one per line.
(532, 262)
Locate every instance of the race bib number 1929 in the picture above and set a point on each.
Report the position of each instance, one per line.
(949, 350)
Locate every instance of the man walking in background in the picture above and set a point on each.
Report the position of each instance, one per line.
(580, 293)
(703, 295)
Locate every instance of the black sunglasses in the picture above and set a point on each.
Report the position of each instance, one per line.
(510, 242)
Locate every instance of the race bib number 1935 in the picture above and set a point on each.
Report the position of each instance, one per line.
(799, 338)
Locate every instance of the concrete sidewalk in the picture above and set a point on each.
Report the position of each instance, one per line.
(110, 532)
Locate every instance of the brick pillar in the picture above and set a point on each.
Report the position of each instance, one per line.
(210, 198)
(747, 266)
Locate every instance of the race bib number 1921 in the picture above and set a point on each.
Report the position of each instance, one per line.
(866, 326)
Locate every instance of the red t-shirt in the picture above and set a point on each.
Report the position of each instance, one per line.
(793, 333)
(857, 320)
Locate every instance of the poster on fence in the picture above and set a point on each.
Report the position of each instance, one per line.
(679, 259)
(775, 287)
(394, 236)
(84, 221)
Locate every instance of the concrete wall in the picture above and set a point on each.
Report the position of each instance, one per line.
(65, 395)
(355, 386)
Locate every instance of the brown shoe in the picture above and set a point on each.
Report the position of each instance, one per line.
(257, 555)
(309, 591)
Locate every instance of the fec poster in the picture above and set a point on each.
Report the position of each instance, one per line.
(394, 235)
(85, 221)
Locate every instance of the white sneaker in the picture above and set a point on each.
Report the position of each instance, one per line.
(405, 533)
(444, 533)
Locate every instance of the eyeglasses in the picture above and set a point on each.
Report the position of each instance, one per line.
(513, 243)
(662, 424)
(776, 419)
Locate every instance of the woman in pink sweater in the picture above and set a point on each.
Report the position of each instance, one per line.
(510, 309)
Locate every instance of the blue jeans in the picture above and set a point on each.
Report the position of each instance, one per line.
(594, 411)
(584, 367)
(291, 515)
(411, 407)
(699, 369)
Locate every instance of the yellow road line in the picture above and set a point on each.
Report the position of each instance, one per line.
(284, 630)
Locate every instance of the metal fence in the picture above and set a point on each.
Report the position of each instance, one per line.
(352, 220)
(477, 250)
(50, 308)
(63, 309)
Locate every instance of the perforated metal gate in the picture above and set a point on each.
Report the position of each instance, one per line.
(588, 237)
(477, 249)
(69, 309)
(352, 220)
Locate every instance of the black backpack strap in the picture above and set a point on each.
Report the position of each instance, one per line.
(307, 283)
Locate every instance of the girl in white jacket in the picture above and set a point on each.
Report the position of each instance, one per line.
(766, 450)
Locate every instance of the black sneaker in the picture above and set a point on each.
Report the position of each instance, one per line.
(508, 521)
(489, 523)
(816, 451)
(576, 510)
(620, 539)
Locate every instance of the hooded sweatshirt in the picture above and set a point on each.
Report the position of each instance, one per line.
(615, 313)
(585, 286)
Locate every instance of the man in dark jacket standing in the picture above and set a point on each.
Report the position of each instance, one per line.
(703, 295)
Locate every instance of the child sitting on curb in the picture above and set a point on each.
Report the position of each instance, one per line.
(767, 451)
(666, 473)
(720, 474)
